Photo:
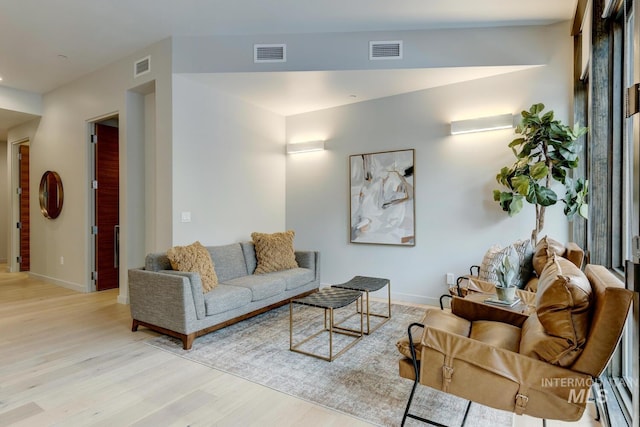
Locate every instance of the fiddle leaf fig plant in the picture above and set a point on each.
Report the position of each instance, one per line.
(546, 151)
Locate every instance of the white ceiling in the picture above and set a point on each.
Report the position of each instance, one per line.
(45, 44)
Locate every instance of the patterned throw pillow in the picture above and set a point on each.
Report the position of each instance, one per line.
(490, 262)
(274, 252)
(525, 259)
(194, 258)
(494, 256)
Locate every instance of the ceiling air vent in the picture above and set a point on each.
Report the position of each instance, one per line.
(385, 50)
(142, 66)
(269, 53)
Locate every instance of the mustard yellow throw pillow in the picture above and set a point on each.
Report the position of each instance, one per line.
(194, 258)
(274, 252)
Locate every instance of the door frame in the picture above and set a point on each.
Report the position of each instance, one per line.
(14, 235)
(91, 208)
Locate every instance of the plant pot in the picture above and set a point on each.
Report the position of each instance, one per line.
(506, 294)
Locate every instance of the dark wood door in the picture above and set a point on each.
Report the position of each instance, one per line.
(23, 171)
(107, 207)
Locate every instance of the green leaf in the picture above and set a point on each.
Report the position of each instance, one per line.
(583, 211)
(504, 198)
(546, 196)
(539, 171)
(521, 184)
(516, 205)
(559, 174)
(536, 108)
(516, 142)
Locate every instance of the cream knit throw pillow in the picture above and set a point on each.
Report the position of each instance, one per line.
(274, 252)
(194, 258)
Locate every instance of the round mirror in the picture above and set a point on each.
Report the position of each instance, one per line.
(51, 194)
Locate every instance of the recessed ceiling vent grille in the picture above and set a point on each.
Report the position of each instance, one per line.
(269, 53)
(385, 50)
(142, 66)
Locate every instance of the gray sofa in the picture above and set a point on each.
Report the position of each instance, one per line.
(172, 302)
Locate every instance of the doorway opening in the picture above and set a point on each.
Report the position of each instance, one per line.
(105, 184)
(23, 259)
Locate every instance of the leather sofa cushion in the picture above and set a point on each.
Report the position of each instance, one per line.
(575, 254)
(496, 334)
(563, 307)
(536, 343)
(545, 248)
(438, 319)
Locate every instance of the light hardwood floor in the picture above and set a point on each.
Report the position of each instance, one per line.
(70, 359)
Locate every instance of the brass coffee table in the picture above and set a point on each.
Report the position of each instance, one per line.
(369, 284)
(328, 299)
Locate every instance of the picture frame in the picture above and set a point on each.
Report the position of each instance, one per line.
(382, 198)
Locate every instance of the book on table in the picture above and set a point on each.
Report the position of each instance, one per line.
(496, 301)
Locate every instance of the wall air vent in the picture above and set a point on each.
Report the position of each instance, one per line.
(269, 53)
(385, 50)
(142, 66)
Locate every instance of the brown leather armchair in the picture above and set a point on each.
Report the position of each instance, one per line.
(542, 365)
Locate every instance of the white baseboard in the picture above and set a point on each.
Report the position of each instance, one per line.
(414, 299)
(123, 299)
(69, 285)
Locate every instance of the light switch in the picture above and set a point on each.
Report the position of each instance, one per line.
(186, 217)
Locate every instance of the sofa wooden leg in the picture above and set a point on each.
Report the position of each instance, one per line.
(187, 341)
(134, 325)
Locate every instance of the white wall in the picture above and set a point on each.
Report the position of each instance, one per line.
(20, 101)
(60, 143)
(229, 166)
(350, 51)
(456, 217)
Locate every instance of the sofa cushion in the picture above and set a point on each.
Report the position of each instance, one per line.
(536, 343)
(563, 307)
(295, 277)
(249, 251)
(261, 287)
(274, 252)
(543, 251)
(228, 260)
(224, 298)
(496, 334)
(196, 258)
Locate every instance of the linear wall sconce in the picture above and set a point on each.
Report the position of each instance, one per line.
(305, 147)
(482, 124)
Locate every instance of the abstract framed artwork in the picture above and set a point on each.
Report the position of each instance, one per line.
(382, 207)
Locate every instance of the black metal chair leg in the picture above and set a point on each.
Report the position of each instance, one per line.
(442, 297)
(416, 371)
(406, 411)
(596, 390)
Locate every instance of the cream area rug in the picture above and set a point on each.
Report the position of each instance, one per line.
(362, 382)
